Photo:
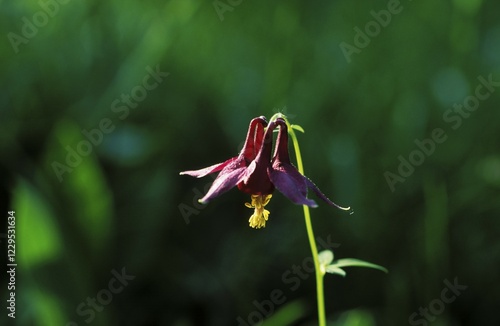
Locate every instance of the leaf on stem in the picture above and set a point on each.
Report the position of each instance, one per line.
(326, 257)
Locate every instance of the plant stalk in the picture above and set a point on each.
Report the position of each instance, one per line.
(310, 233)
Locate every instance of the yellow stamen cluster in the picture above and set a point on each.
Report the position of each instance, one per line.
(260, 215)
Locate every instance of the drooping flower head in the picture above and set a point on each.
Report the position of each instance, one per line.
(254, 172)
(232, 170)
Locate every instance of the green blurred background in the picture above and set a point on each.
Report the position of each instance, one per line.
(75, 66)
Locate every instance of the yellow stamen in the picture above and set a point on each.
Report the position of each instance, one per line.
(260, 215)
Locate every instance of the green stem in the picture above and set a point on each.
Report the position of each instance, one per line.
(310, 233)
(319, 275)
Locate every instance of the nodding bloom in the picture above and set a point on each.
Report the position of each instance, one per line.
(254, 172)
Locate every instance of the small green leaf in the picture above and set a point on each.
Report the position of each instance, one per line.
(351, 262)
(325, 257)
(335, 270)
(298, 128)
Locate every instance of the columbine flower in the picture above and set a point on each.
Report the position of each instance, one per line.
(232, 170)
(255, 173)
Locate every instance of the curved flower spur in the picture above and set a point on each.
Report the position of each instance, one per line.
(257, 174)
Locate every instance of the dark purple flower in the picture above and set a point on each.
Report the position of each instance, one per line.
(255, 173)
(233, 170)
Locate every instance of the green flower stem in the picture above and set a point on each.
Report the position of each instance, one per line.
(319, 275)
(310, 233)
(312, 239)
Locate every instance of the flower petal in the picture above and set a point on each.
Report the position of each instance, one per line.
(211, 169)
(318, 193)
(281, 148)
(229, 177)
(259, 135)
(253, 142)
(290, 183)
(284, 175)
(256, 179)
(254, 138)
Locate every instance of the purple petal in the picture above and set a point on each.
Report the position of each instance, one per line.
(318, 193)
(291, 183)
(256, 180)
(281, 148)
(211, 169)
(229, 177)
(254, 138)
